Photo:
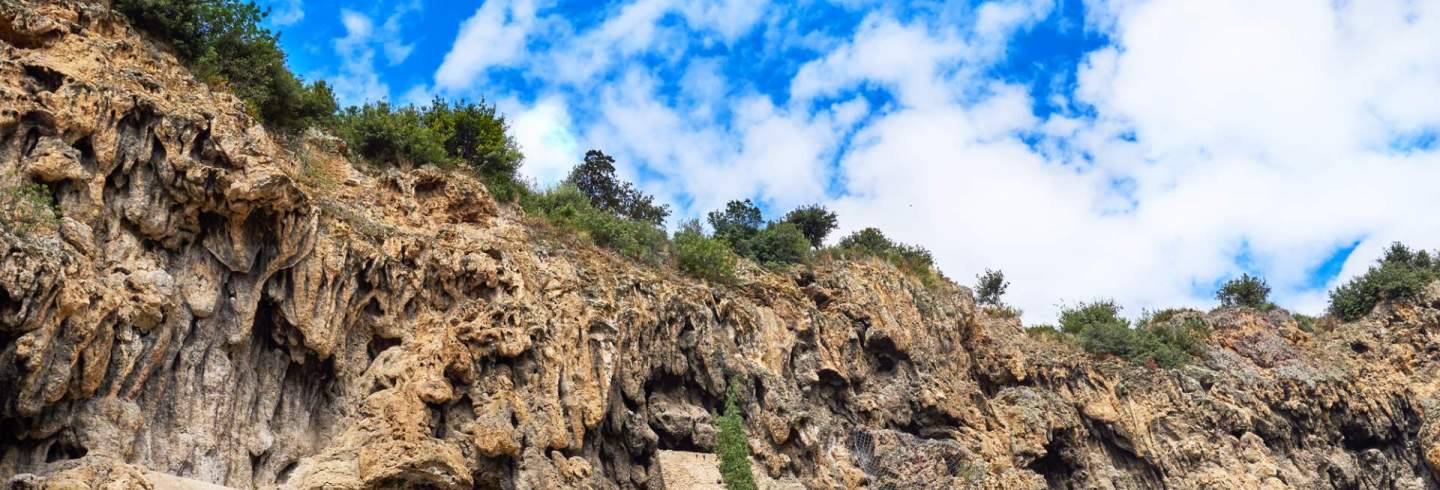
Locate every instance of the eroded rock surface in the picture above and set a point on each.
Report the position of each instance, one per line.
(210, 309)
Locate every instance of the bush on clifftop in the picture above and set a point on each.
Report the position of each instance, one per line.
(224, 45)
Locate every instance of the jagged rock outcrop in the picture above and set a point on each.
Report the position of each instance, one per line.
(222, 307)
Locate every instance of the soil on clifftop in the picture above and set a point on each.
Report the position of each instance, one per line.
(219, 306)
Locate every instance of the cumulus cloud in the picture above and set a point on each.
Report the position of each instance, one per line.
(356, 82)
(494, 36)
(1206, 139)
(355, 79)
(545, 134)
(285, 12)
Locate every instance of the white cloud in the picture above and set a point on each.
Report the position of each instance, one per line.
(544, 133)
(1212, 130)
(391, 33)
(494, 36)
(905, 59)
(356, 82)
(1223, 128)
(285, 12)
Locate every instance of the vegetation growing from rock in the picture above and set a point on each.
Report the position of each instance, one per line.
(1247, 290)
(1401, 274)
(1100, 330)
(737, 225)
(733, 446)
(224, 44)
(396, 136)
(702, 256)
(913, 259)
(814, 221)
(990, 287)
(445, 133)
(567, 207)
(25, 207)
(595, 177)
(775, 244)
(779, 244)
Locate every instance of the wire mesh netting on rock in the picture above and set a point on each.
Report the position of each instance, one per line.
(894, 460)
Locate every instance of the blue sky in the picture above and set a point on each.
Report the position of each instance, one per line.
(1140, 150)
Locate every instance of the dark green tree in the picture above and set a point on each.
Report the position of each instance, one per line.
(595, 177)
(814, 221)
(1246, 290)
(911, 258)
(737, 224)
(223, 43)
(870, 240)
(990, 286)
(474, 134)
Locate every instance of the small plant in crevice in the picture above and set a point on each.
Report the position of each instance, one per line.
(25, 207)
(733, 446)
(1305, 323)
(1002, 311)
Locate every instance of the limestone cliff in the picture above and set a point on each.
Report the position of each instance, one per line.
(222, 307)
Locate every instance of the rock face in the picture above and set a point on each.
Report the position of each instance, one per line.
(225, 308)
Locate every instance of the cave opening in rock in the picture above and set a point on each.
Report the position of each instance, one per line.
(1055, 466)
(64, 449)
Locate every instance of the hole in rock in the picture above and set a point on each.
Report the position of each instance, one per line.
(285, 472)
(61, 450)
(48, 80)
(380, 344)
(1058, 470)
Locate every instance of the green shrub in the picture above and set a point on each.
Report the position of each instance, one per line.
(1246, 290)
(223, 43)
(989, 287)
(443, 133)
(1002, 311)
(25, 207)
(595, 177)
(567, 207)
(1163, 315)
(780, 244)
(1043, 330)
(1077, 320)
(386, 135)
(1101, 331)
(1400, 274)
(737, 225)
(869, 240)
(703, 257)
(1305, 322)
(733, 446)
(1172, 344)
(475, 135)
(909, 258)
(814, 221)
